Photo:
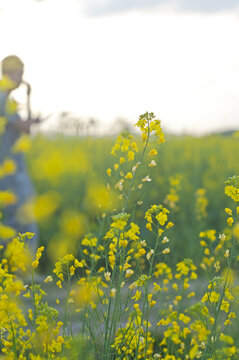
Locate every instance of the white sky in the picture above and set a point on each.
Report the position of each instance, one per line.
(182, 66)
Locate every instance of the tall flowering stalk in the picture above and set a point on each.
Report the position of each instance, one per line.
(119, 299)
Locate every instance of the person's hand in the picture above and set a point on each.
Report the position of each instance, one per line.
(33, 120)
(40, 118)
(37, 120)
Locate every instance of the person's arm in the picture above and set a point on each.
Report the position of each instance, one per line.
(13, 118)
(24, 126)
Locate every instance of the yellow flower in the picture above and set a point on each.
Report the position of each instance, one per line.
(35, 264)
(227, 253)
(129, 175)
(109, 171)
(225, 306)
(130, 155)
(134, 146)
(152, 163)
(150, 253)
(23, 144)
(162, 218)
(228, 211)
(101, 269)
(60, 340)
(78, 264)
(146, 179)
(8, 167)
(214, 296)
(169, 225)
(86, 293)
(149, 226)
(230, 221)
(129, 272)
(7, 198)
(236, 231)
(232, 315)
(185, 319)
(232, 192)
(157, 287)
(6, 83)
(227, 322)
(166, 251)
(30, 314)
(6, 232)
(48, 279)
(39, 252)
(193, 275)
(153, 152)
(107, 276)
(226, 338)
(165, 240)
(137, 295)
(113, 292)
(59, 284)
(72, 270)
(212, 320)
(175, 286)
(152, 303)
(205, 297)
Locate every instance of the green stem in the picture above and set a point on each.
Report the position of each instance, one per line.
(106, 330)
(217, 314)
(66, 302)
(34, 299)
(146, 302)
(93, 338)
(147, 318)
(14, 342)
(116, 312)
(117, 303)
(134, 175)
(229, 260)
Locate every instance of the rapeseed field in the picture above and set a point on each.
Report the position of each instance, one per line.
(138, 249)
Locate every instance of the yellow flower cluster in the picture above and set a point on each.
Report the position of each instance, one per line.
(201, 204)
(7, 198)
(22, 145)
(172, 198)
(8, 167)
(35, 263)
(130, 343)
(232, 188)
(148, 124)
(158, 213)
(35, 335)
(64, 267)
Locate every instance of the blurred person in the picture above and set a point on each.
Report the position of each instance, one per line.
(17, 182)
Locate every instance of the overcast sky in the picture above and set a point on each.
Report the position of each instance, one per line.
(120, 58)
(102, 7)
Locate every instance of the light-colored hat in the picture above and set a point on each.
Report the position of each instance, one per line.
(11, 62)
